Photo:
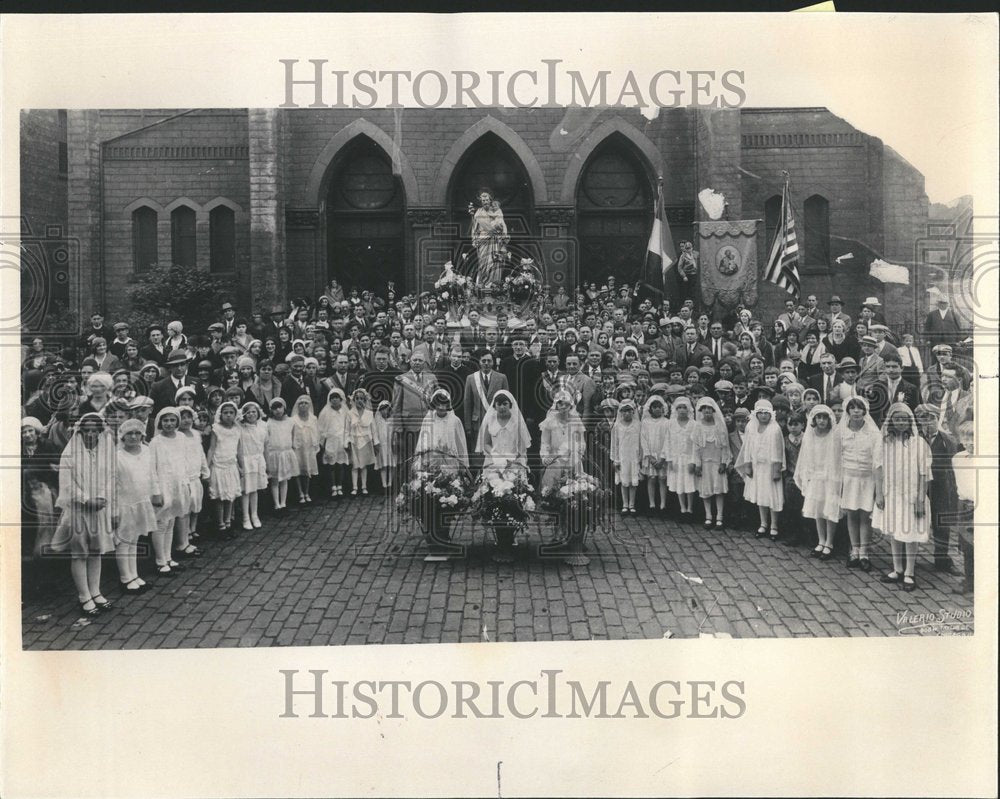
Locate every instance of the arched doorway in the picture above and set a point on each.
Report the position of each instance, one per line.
(614, 202)
(364, 206)
(490, 163)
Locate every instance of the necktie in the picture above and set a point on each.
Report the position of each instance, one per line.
(486, 384)
(909, 357)
(829, 388)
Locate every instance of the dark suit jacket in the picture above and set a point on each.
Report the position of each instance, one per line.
(473, 407)
(817, 382)
(685, 359)
(879, 400)
(942, 331)
(523, 378)
(150, 353)
(163, 391)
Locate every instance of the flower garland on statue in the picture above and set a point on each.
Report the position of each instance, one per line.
(451, 288)
(523, 284)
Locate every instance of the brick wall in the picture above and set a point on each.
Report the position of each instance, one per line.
(160, 157)
(870, 207)
(44, 207)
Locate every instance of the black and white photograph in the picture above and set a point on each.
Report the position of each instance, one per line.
(558, 355)
(387, 379)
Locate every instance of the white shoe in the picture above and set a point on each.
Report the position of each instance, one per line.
(302, 500)
(308, 498)
(255, 520)
(364, 491)
(247, 525)
(354, 492)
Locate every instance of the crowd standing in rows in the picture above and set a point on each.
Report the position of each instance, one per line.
(810, 416)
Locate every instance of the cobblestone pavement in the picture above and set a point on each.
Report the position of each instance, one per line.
(339, 573)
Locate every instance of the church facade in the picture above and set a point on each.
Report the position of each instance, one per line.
(278, 201)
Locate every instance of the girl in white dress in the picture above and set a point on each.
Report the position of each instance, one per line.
(133, 514)
(253, 437)
(282, 462)
(762, 460)
(861, 457)
(385, 458)
(170, 472)
(305, 442)
(654, 429)
(817, 474)
(503, 436)
(711, 457)
(677, 453)
(224, 465)
(86, 480)
(361, 439)
(626, 453)
(905, 512)
(197, 472)
(332, 427)
(441, 443)
(563, 442)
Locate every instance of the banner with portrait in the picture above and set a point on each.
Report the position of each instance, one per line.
(728, 261)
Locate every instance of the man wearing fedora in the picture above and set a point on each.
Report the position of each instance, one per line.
(228, 320)
(164, 391)
(871, 367)
(871, 311)
(836, 306)
(848, 385)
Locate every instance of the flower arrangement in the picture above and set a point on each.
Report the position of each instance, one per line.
(504, 497)
(435, 490)
(575, 493)
(451, 287)
(522, 285)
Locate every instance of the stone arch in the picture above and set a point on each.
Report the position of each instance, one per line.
(489, 124)
(135, 205)
(196, 207)
(319, 177)
(647, 150)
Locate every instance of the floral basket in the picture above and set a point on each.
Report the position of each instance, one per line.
(577, 501)
(522, 286)
(435, 497)
(502, 500)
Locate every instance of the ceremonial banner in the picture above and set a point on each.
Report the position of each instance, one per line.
(728, 256)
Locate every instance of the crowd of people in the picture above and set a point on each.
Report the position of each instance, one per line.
(831, 426)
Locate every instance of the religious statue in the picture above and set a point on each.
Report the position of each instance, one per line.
(489, 237)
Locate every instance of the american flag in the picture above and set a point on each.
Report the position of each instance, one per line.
(783, 263)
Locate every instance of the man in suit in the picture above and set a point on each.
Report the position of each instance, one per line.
(341, 378)
(883, 346)
(399, 353)
(870, 367)
(294, 386)
(380, 379)
(155, 350)
(164, 391)
(524, 375)
(229, 355)
(582, 387)
(410, 403)
(452, 375)
(691, 352)
(942, 488)
(228, 321)
(474, 336)
(848, 385)
(836, 306)
(480, 387)
(716, 342)
(941, 326)
(891, 388)
(117, 345)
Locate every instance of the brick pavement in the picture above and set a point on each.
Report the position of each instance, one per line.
(339, 573)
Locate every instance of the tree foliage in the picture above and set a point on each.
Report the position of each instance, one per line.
(191, 296)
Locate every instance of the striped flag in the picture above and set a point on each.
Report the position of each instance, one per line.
(660, 252)
(782, 267)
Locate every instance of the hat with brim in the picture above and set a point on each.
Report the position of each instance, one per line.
(869, 341)
(941, 349)
(847, 363)
(871, 302)
(835, 300)
(217, 326)
(177, 357)
(121, 326)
